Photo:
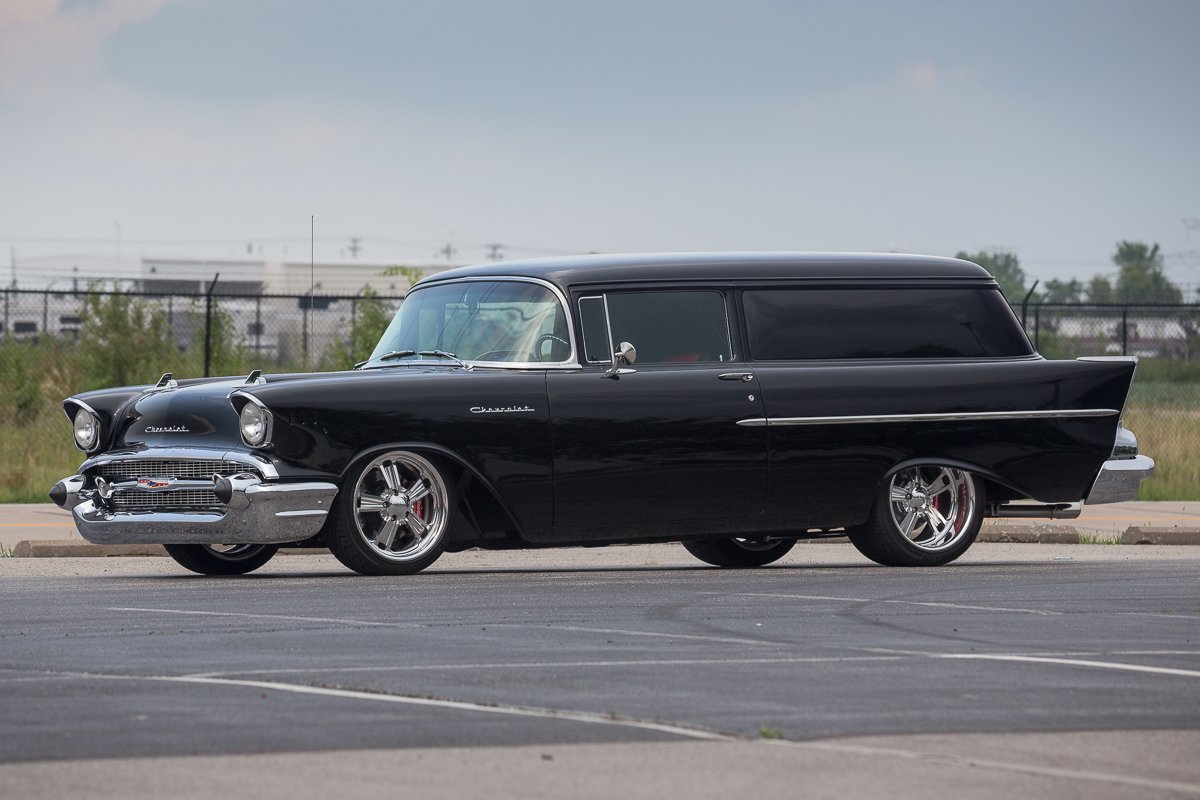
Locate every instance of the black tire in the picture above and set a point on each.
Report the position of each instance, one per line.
(381, 509)
(207, 559)
(905, 500)
(739, 552)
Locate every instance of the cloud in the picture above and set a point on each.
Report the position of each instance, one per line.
(929, 78)
(922, 75)
(44, 42)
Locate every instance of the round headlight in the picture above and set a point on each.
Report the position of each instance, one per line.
(87, 429)
(254, 423)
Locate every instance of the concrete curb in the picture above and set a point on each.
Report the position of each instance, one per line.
(1161, 536)
(1029, 534)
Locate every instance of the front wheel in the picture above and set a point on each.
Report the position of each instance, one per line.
(221, 559)
(740, 552)
(392, 515)
(923, 517)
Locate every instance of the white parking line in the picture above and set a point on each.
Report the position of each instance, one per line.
(682, 730)
(1038, 611)
(676, 662)
(1073, 662)
(458, 705)
(286, 617)
(652, 634)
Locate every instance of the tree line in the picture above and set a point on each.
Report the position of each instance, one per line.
(1140, 278)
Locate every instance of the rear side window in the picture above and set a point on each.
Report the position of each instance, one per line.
(666, 327)
(875, 323)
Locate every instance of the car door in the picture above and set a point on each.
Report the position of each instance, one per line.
(654, 448)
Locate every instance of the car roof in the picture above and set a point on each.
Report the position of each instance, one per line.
(754, 266)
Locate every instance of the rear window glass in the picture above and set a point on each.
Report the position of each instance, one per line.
(874, 323)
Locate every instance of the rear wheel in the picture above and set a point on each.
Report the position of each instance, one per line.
(221, 559)
(923, 517)
(392, 515)
(740, 552)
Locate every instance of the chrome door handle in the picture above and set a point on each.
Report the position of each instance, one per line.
(736, 376)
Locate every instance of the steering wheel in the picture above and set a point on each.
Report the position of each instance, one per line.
(547, 337)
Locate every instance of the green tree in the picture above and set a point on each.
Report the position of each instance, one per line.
(410, 274)
(1057, 291)
(1005, 268)
(1100, 290)
(228, 354)
(371, 317)
(124, 340)
(1141, 278)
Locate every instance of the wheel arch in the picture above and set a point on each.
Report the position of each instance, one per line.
(481, 500)
(995, 485)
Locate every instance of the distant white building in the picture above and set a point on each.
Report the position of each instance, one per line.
(249, 277)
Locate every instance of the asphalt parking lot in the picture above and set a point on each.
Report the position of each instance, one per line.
(1050, 671)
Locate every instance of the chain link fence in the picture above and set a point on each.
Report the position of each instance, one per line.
(54, 344)
(294, 332)
(1164, 406)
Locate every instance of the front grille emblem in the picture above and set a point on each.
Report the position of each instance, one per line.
(155, 483)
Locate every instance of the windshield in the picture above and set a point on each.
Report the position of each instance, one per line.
(506, 321)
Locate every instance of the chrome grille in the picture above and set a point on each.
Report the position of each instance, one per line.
(170, 468)
(185, 498)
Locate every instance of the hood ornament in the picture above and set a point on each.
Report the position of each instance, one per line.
(166, 383)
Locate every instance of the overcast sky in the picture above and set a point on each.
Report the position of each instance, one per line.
(1050, 128)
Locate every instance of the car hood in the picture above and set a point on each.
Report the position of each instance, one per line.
(199, 415)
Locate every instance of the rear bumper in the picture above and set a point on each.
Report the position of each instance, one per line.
(1119, 480)
(256, 513)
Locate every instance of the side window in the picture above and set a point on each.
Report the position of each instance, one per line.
(666, 327)
(873, 323)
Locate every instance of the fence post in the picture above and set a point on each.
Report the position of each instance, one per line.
(208, 324)
(258, 325)
(1037, 326)
(45, 312)
(7, 294)
(1125, 331)
(1025, 302)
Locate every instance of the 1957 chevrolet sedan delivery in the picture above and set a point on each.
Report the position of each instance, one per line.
(732, 402)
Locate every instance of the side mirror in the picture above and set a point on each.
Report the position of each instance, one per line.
(625, 355)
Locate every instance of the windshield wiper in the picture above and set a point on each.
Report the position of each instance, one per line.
(444, 354)
(387, 357)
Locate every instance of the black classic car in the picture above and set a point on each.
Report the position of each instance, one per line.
(731, 402)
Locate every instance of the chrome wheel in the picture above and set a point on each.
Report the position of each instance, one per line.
(400, 506)
(932, 507)
(756, 545)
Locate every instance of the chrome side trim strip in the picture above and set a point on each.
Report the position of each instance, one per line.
(960, 416)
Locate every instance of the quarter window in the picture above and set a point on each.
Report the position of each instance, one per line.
(873, 323)
(666, 327)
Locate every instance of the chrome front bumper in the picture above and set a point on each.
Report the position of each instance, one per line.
(256, 512)
(1119, 479)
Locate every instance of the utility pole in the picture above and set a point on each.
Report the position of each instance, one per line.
(448, 251)
(12, 257)
(355, 246)
(495, 251)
